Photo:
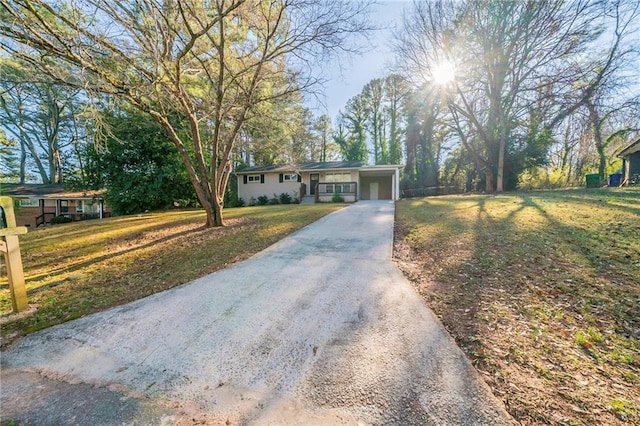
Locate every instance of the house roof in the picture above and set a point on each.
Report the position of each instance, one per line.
(42, 191)
(634, 147)
(304, 167)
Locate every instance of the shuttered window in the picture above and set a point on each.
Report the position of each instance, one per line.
(288, 177)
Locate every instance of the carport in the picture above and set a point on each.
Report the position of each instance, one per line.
(380, 182)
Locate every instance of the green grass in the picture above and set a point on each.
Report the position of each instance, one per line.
(542, 290)
(75, 269)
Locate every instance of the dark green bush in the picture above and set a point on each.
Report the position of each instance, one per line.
(263, 200)
(138, 166)
(337, 198)
(285, 198)
(273, 201)
(60, 219)
(238, 202)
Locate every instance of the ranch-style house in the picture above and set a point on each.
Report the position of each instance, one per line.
(321, 181)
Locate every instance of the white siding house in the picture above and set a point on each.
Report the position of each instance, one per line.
(321, 181)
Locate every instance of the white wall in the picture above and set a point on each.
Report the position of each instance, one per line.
(271, 185)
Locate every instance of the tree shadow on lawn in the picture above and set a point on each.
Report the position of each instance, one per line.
(47, 248)
(560, 256)
(114, 255)
(98, 277)
(146, 221)
(481, 272)
(617, 200)
(613, 287)
(523, 283)
(74, 266)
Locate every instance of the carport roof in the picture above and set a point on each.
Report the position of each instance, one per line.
(379, 170)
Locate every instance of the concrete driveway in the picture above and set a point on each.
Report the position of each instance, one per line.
(320, 328)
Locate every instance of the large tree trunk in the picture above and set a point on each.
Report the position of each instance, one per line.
(411, 148)
(596, 126)
(489, 178)
(210, 221)
(500, 179)
(204, 192)
(217, 218)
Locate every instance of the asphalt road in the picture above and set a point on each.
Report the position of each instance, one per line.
(321, 328)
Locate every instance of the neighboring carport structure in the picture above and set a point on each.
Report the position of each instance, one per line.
(631, 161)
(379, 182)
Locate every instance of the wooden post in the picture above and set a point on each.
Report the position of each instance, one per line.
(10, 247)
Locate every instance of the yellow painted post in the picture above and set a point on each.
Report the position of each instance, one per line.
(10, 247)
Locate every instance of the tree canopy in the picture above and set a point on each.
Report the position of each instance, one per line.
(210, 64)
(138, 165)
(504, 78)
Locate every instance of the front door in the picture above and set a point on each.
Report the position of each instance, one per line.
(373, 190)
(315, 178)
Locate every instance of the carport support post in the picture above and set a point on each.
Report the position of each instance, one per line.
(396, 184)
(10, 247)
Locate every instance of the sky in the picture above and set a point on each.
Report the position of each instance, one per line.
(347, 82)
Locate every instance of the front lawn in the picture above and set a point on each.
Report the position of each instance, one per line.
(541, 290)
(75, 269)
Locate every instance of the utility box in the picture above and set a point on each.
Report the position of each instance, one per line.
(593, 180)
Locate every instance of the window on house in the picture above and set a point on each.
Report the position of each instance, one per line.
(91, 207)
(64, 206)
(253, 178)
(290, 177)
(29, 203)
(79, 206)
(348, 187)
(338, 177)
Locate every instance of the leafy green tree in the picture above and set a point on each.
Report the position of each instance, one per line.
(282, 133)
(374, 96)
(9, 163)
(397, 91)
(354, 120)
(266, 134)
(423, 145)
(303, 144)
(41, 117)
(323, 129)
(376, 116)
(352, 148)
(138, 165)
